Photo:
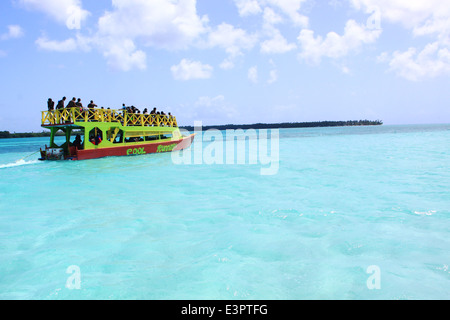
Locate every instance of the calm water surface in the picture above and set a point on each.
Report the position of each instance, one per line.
(343, 200)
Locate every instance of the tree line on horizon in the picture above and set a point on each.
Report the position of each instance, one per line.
(286, 125)
(7, 134)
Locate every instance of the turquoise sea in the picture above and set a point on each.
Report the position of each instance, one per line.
(352, 213)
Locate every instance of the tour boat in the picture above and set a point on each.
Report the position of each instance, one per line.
(105, 133)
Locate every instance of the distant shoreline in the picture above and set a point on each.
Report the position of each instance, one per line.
(284, 125)
(287, 125)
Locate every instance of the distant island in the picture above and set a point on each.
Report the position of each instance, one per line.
(7, 134)
(285, 125)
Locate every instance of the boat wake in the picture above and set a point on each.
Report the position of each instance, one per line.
(18, 163)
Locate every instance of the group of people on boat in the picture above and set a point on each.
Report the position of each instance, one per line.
(134, 110)
(76, 103)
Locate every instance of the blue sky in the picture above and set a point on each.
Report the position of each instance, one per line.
(229, 61)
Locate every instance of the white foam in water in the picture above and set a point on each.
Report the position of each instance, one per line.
(428, 213)
(18, 163)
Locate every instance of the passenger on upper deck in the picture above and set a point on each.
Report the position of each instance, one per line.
(92, 105)
(60, 104)
(50, 104)
(72, 103)
(79, 104)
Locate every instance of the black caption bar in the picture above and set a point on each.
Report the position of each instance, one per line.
(227, 309)
(221, 309)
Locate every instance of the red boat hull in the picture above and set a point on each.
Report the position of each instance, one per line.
(154, 147)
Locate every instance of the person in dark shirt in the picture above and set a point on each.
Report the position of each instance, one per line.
(60, 104)
(77, 142)
(72, 103)
(92, 105)
(50, 104)
(79, 104)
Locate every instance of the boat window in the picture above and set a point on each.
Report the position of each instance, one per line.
(95, 136)
(134, 136)
(114, 135)
(152, 138)
(77, 139)
(134, 139)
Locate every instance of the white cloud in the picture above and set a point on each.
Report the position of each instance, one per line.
(227, 64)
(188, 70)
(76, 43)
(273, 76)
(270, 17)
(431, 62)
(168, 24)
(334, 45)
(291, 8)
(277, 44)
(429, 17)
(232, 40)
(122, 55)
(253, 74)
(440, 28)
(59, 46)
(14, 32)
(248, 7)
(68, 12)
(410, 13)
(424, 18)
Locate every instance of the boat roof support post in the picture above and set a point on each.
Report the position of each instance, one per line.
(53, 131)
(68, 134)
